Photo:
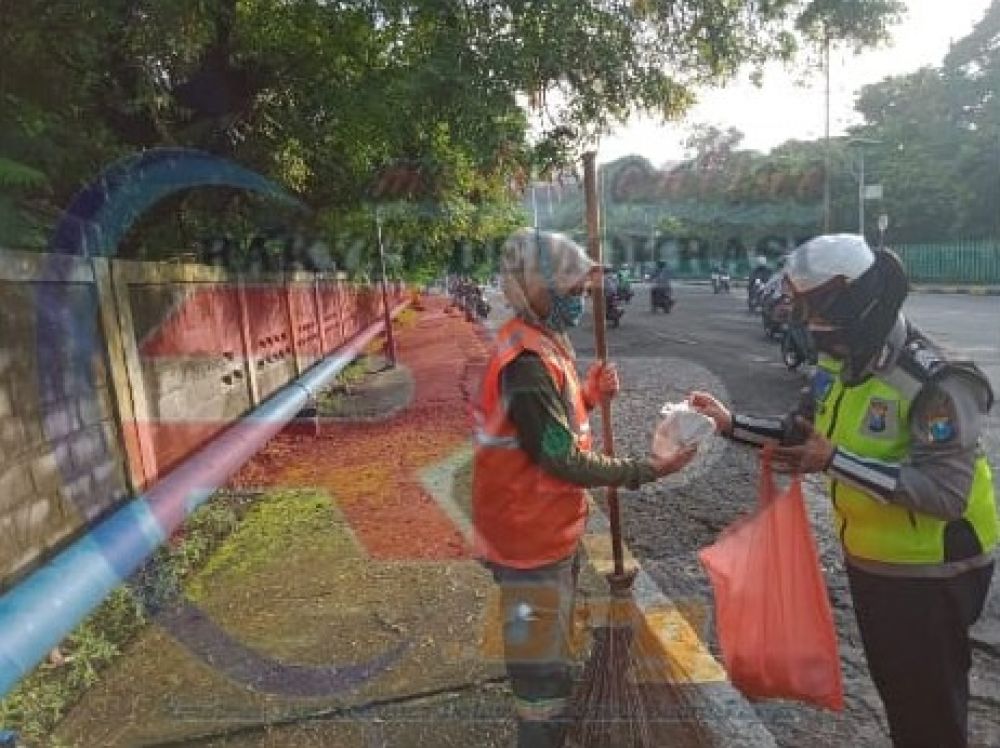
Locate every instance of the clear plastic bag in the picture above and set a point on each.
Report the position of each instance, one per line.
(681, 427)
(772, 612)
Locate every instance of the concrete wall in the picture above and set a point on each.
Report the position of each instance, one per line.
(111, 372)
(61, 459)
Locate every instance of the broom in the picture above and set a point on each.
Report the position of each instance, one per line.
(616, 704)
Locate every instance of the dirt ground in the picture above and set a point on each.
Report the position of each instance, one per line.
(345, 559)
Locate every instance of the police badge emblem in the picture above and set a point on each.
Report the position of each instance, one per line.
(880, 418)
(940, 428)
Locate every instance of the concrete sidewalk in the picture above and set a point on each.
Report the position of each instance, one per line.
(346, 609)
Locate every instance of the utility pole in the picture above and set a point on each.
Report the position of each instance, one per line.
(861, 193)
(826, 146)
(390, 340)
(534, 202)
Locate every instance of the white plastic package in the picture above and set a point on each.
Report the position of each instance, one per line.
(682, 427)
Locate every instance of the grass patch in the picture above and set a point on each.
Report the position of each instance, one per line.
(332, 396)
(268, 530)
(43, 698)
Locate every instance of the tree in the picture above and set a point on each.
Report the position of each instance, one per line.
(323, 97)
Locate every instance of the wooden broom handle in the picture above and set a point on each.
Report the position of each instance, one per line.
(601, 341)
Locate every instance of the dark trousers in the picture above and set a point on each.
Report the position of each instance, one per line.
(916, 638)
(538, 617)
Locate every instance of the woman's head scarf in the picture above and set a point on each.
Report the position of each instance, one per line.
(536, 266)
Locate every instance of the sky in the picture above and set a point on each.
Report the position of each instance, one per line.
(790, 103)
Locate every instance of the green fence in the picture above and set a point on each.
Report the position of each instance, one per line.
(975, 263)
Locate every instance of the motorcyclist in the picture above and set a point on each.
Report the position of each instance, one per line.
(895, 424)
(760, 272)
(610, 285)
(624, 283)
(661, 294)
(662, 278)
(759, 276)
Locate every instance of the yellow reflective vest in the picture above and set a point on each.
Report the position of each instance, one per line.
(871, 529)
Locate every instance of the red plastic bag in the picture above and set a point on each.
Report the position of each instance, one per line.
(772, 613)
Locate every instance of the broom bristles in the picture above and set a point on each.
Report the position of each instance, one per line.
(626, 698)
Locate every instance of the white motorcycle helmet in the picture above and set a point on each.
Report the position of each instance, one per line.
(849, 295)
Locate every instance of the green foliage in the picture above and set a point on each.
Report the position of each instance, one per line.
(43, 698)
(16, 176)
(938, 142)
(861, 23)
(330, 98)
(930, 138)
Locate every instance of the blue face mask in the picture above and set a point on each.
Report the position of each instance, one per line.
(567, 311)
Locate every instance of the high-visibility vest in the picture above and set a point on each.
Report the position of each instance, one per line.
(855, 418)
(522, 516)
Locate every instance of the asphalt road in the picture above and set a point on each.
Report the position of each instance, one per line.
(710, 341)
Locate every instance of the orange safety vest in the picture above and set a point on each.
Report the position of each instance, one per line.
(524, 517)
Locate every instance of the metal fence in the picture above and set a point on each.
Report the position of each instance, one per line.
(976, 263)
(968, 263)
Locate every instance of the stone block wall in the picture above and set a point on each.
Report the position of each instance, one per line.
(61, 461)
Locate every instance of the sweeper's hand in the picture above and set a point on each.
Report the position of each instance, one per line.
(812, 456)
(708, 405)
(601, 382)
(672, 463)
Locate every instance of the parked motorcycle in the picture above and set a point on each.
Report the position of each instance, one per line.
(475, 304)
(797, 346)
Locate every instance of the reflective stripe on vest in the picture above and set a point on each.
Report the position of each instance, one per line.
(872, 421)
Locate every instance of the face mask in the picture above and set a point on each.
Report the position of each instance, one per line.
(567, 311)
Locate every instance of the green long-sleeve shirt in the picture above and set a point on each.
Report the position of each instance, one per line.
(543, 431)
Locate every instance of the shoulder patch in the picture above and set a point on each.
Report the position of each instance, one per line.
(940, 428)
(936, 419)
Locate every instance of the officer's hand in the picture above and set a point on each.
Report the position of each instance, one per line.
(708, 405)
(812, 456)
(601, 382)
(672, 463)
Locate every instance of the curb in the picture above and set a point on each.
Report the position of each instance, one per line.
(915, 288)
(729, 716)
(961, 290)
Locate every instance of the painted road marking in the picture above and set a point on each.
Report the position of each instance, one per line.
(675, 338)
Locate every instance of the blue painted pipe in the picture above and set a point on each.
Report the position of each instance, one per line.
(41, 610)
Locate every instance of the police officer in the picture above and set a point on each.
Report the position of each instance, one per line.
(895, 425)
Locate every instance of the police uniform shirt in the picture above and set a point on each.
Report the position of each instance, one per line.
(946, 421)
